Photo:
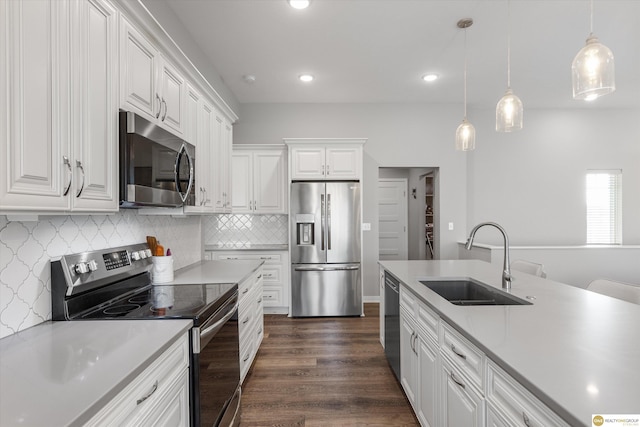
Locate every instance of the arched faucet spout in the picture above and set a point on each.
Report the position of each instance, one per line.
(506, 269)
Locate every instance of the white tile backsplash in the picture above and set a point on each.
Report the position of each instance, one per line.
(233, 229)
(27, 247)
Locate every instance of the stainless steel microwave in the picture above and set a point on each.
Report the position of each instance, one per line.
(157, 168)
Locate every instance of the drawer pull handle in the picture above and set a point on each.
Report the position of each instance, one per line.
(260, 300)
(525, 418)
(245, 291)
(460, 355)
(246, 358)
(259, 331)
(453, 377)
(259, 277)
(244, 322)
(153, 390)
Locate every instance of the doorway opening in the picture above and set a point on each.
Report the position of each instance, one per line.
(408, 213)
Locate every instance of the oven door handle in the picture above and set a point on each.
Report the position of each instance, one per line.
(209, 331)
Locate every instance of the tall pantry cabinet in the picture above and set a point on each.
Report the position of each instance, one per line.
(58, 108)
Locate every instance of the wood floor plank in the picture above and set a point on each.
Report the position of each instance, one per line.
(323, 372)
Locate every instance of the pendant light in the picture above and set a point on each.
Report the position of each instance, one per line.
(509, 111)
(592, 69)
(466, 133)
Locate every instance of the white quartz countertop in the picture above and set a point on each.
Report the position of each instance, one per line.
(62, 373)
(577, 351)
(212, 272)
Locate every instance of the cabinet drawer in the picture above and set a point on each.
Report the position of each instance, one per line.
(272, 296)
(247, 353)
(272, 273)
(464, 355)
(515, 403)
(147, 388)
(428, 321)
(407, 300)
(266, 257)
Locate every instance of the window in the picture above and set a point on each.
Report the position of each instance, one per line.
(604, 207)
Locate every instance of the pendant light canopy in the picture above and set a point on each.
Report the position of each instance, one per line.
(509, 111)
(592, 70)
(466, 133)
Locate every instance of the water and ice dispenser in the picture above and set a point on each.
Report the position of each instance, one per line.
(305, 229)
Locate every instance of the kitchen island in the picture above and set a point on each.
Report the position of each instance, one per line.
(576, 351)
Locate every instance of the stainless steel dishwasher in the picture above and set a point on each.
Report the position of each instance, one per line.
(392, 322)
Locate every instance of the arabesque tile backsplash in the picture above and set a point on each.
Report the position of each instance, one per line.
(232, 229)
(27, 247)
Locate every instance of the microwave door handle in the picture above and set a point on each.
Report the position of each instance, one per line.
(183, 151)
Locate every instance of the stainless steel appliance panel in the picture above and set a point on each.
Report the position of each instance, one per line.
(392, 322)
(342, 203)
(326, 290)
(307, 230)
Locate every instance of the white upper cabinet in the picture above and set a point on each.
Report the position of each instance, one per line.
(96, 144)
(58, 106)
(259, 180)
(150, 85)
(220, 164)
(325, 159)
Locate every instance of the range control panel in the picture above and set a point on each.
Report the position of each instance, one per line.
(85, 269)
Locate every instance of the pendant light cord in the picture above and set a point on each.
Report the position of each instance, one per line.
(465, 74)
(508, 44)
(591, 20)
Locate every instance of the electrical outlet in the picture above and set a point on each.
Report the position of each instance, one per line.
(450, 226)
(366, 226)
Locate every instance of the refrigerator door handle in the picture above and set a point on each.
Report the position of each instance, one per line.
(322, 222)
(342, 268)
(328, 222)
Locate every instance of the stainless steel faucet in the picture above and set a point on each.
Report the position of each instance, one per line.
(506, 269)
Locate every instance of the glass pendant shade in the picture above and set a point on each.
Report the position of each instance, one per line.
(465, 136)
(593, 71)
(509, 113)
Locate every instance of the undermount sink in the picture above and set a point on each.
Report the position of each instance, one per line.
(470, 292)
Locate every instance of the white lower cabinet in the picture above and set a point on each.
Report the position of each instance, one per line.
(275, 271)
(450, 382)
(250, 319)
(461, 403)
(159, 396)
(419, 359)
(514, 404)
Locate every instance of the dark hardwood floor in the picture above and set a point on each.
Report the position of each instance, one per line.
(323, 372)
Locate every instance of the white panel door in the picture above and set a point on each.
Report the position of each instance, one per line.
(34, 105)
(96, 144)
(307, 163)
(242, 182)
(172, 87)
(138, 80)
(392, 217)
(343, 163)
(268, 182)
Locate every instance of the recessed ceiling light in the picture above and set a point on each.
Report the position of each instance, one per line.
(430, 77)
(249, 78)
(299, 4)
(306, 78)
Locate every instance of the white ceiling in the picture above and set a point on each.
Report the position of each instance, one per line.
(375, 51)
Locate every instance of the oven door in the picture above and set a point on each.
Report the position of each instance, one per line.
(215, 365)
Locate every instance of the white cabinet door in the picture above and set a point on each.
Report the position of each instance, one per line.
(343, 163)
(307, 162)
(268, 182)
(242, 182)
(409, 376)
(138, 82)
(96, 128)
(225, 163)
(429, 376)
(34, 105)
(172, 91)
(462, 405)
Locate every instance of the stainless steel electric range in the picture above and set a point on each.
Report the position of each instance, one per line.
(115, 284)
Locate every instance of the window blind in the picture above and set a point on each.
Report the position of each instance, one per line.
(604, 207)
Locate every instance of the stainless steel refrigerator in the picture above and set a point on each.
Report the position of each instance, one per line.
(326, 277)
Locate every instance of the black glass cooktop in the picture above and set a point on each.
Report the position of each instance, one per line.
(164, 301)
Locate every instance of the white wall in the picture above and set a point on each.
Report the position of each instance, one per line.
(399, 135)
(533, 182)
